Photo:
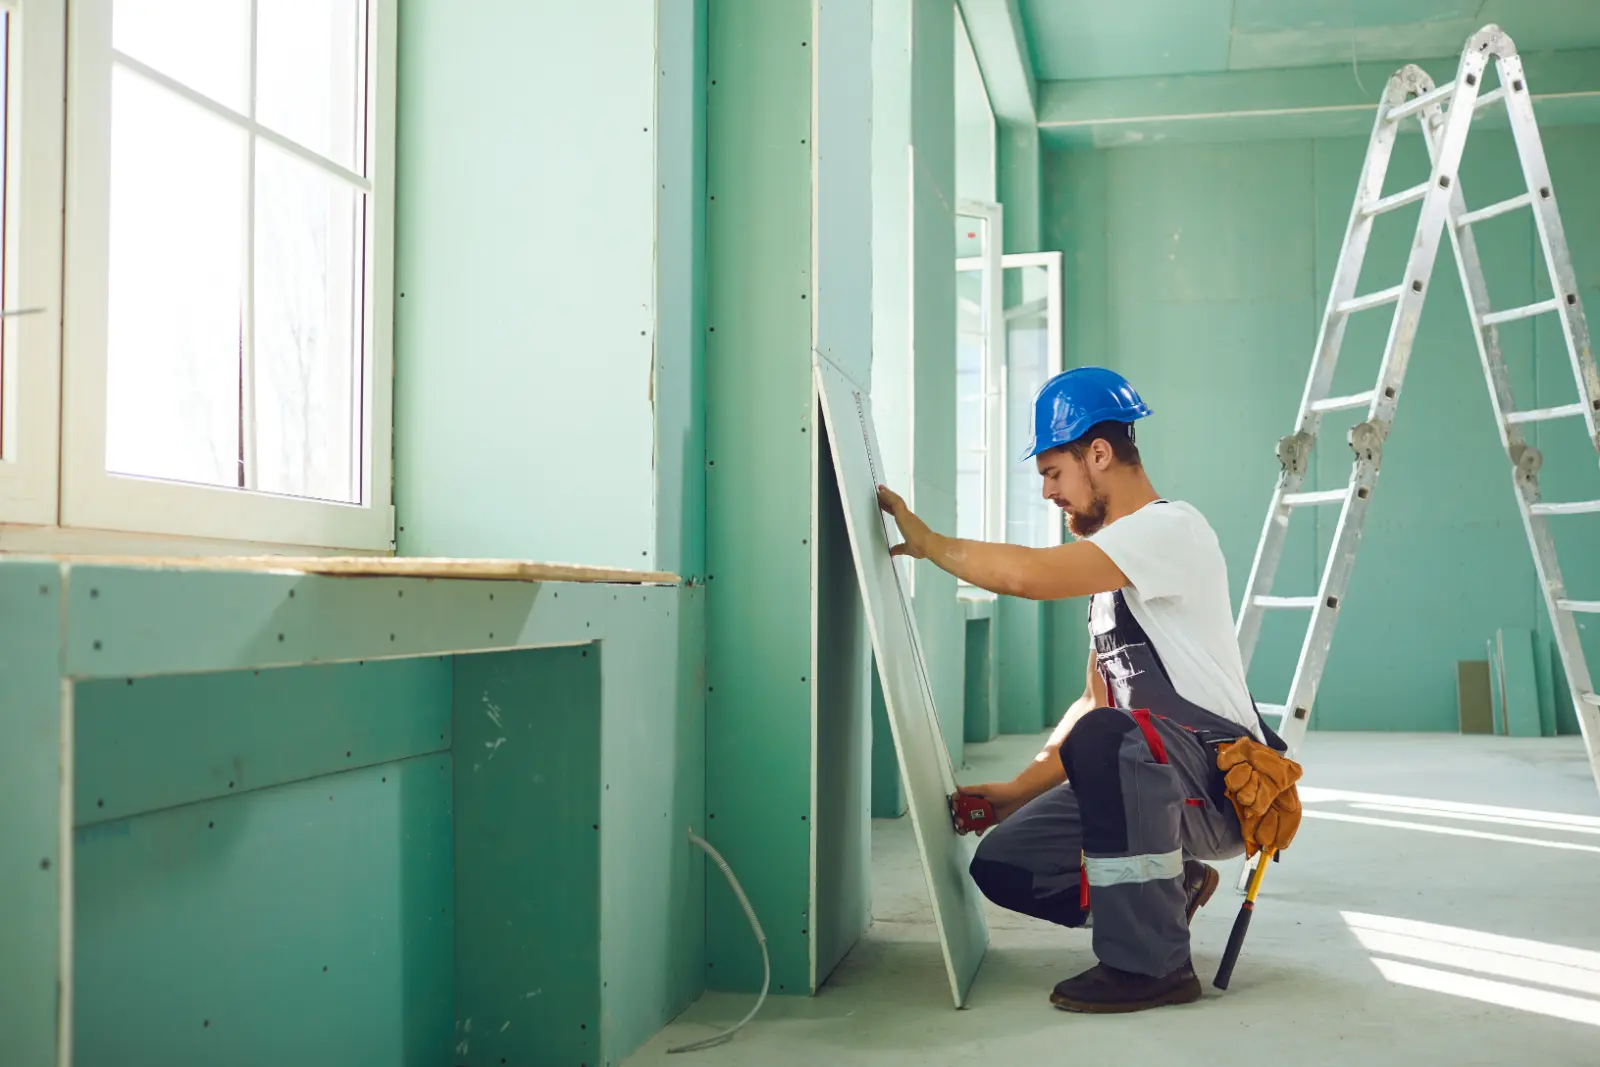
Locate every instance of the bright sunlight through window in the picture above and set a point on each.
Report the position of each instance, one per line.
(1511, 972)
(1451, 813)
(238, 210)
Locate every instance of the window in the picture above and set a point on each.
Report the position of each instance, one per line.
(228, 270)
(980, 374)
(32, 58)
(994, 421)
(1033, 356)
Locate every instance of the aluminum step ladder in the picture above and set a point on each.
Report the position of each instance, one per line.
(1446, 113)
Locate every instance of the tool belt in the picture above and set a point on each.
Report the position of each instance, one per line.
(1260, 783)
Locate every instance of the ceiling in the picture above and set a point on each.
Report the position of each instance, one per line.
(1086, 39)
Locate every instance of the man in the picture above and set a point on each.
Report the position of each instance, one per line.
(1128, 784)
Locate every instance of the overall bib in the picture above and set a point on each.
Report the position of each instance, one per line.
(1143, 792)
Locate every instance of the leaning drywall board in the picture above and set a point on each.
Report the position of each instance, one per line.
(924, 763)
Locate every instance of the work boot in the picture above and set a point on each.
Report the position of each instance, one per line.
(1199, 882)
(1104, 990)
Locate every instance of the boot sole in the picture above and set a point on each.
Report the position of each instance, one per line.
(1208, 886)
(1187, 993)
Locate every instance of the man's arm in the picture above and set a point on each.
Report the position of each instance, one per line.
(1071, 570)
(1046, 771)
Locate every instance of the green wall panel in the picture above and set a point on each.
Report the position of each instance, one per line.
(679, 391)
(1217, 260)
(160, 742)
(759, 419)
(888, 791)
(310, 923)
(527, 857)
(940, 622)
(31, 866)
(842, 910)
(653, 880)
(525, 275)
(982, 707)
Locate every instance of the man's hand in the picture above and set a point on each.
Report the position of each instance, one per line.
(915, 532)
(1005, 797)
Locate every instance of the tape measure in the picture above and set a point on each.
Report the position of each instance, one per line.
(971, 814)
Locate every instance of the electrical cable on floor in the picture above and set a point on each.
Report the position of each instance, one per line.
(761, 939)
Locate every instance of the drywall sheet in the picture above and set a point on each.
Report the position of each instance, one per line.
(841, 907)
(919, 746)
(309, 923)
(527, 857)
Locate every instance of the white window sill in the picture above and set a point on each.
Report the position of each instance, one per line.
(16, 538)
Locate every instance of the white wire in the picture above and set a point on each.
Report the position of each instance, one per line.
(761, 939)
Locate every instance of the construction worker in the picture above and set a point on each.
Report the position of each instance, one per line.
(1116, 814)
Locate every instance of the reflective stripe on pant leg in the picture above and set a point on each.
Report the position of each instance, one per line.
(1131, 805)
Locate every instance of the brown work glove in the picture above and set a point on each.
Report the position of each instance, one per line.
(1261, 784)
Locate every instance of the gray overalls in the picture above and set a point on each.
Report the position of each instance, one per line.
(1142, 793)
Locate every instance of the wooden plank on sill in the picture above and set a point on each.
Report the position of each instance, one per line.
(505, 570)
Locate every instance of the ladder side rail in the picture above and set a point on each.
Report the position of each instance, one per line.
(1367, 439)
(1319, 379)
(1552, 236)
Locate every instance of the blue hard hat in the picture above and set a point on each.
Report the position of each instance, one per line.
(1073, 401)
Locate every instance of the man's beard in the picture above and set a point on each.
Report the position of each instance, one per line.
(1087, 523)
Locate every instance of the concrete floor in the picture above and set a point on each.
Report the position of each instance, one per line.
(1504, 969)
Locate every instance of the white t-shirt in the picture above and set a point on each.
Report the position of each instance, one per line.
(1178, 591)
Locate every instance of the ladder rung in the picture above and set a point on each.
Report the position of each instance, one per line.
(1401, 199)
(1272, 709)
(1580, 507)
(1325, 496)
(1301, 602)
(1494, 318)
(1343, 403)
(1493, 96)
(1493, 210)
(1411, 107)
(1592, 698)
(1565, 411)
(1371, 300)
(1586, 607)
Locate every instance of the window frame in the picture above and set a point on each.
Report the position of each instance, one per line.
(32, 247)
(93, 498)
(1054, 300)
(992, 264)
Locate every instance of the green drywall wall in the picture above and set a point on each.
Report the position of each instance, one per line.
(525, 279)
(1201, 270)
(527, 857)
(975, 125)
(888, 791)
(940, 622)
(146, 744)
(1089, 39)
(1299, 103)
(1018, 160)
(842, 802)
(306, 923)
(652, 759)
(982, 703)
(679, 391)
(31, 866)
(760, 452)
(241, 815)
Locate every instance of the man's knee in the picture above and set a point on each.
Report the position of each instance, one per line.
(1095, 741)
(1013, 888)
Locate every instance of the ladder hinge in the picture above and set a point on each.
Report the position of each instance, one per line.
(1366, 441)
(1526, 459)
(1294, 453)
